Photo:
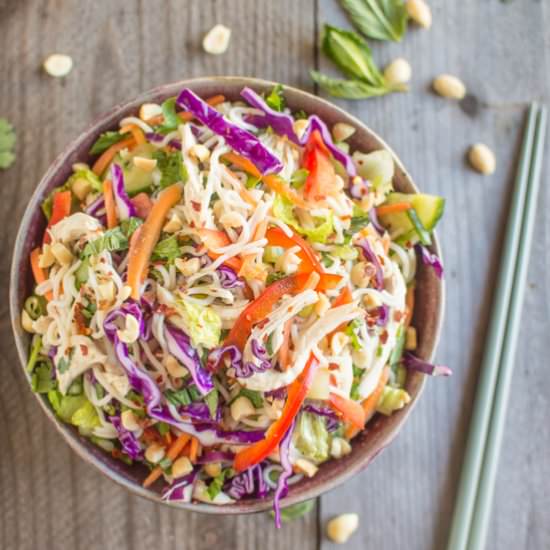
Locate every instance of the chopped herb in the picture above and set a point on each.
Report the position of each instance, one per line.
(421, 231)
(255, 397)
(300, 115)
(212, 399)
(276, 99)
(171, 119)
(326, 260)
(41, 380)
(171, 167)
(165, 463)
(357, 375)
(194, 393)
(7, 142)
(252, 182)
(105, 141)
(274, 276)
(36, 346)
(215, 486)
(269, 345)
(397, 352)
(351, 331)
(298, 179)
(81, 274)
(167, 249)
(129, 225)
(113, 240)
(357, 223)
(63, 365)
(178, 397)
(35, 306)
(163, 428)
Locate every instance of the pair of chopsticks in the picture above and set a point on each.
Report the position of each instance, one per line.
(477, 482)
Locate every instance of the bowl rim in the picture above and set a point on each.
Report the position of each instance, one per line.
(239, 507)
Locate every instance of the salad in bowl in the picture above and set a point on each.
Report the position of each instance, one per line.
(224, 295)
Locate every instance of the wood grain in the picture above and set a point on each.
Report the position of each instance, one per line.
(405, 499)
(49, 499)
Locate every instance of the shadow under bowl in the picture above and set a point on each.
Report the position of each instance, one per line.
(428, 314)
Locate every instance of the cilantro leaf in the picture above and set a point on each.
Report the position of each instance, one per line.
(7, 142)
(171, 167)
(276, 99)
(167, 249)
(112, 240)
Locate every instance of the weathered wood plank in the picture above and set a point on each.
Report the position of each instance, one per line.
(48, 497)
(405, 499)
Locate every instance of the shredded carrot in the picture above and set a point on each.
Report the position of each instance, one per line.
(194, 450)
(370, 403)
(393, 208)
(107, 156)
(275, 183)
(409, 302)
(142, 247)
(110, 208)
(186, 116)
(342, 299)
(243, 191)
(173, 452)
(218, 239)
(38, 273)
(136, 131)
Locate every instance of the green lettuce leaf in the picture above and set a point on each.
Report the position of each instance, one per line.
(74, 409)
(171, 167)
(312, 438)
(105, 140)
(203, 324)
(283, 209)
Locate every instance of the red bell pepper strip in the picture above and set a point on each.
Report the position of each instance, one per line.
(263, 305)
(212, 238)
(349, 409)
(277, 237)
(297, 392)
(61, 208)
(316, 160)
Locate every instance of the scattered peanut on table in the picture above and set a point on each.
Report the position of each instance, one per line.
(449, 86)
(482, 159)
(340, 528)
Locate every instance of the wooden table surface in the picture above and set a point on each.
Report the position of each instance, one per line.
(50, 499)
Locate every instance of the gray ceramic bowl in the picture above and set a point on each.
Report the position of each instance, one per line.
(427, 316)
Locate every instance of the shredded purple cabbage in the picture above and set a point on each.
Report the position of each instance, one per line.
(242, 141)
(123, 203)
(383, 315)
(279, 393)
(234, 436)
(332, 420)
(199, 411)
(180, 347)
(182, 489)
(139, 380)
(430, 259)
(244, 484)
(157, 138)
(96, 206)
(371, 257)
(283, 124)
(216, 355)
(228, 277)
(414, 363)
(373, 217)
(359, 189)
(282, 483)
(128, 440)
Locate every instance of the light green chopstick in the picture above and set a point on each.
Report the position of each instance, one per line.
(479, 424)
(485, 491)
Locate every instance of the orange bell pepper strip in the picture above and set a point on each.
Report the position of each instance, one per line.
(142, 247)
(61, 208)
(349, 409)
(370, 403)
(393, 208)
(212, 238)
(274, 182)
(316, 159)
(136, 131)
(38, 273)
(263, 305)
(110, 207)
(297, 392)
(277, 237)
(107, 156)
(173, 452)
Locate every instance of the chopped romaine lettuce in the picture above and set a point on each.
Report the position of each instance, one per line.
(312, 438)
(203, 324)
(392, 399)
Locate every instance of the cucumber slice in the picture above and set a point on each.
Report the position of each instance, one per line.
(429, 209)
(137, 180)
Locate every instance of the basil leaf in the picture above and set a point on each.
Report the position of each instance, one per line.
(276, 99)
(180, 397)
(352, 54)
(211, 399)
(254, 396)
(357, 223)
(296, 510)
(347, 89)
(378, 19)
(105, 140)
